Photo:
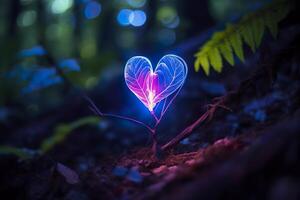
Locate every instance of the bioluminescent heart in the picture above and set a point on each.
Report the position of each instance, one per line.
(154, 85)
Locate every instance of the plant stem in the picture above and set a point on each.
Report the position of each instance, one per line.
(154, 142)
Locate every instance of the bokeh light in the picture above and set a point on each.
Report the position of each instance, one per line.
(136, 3)
(174, 23)
(92, 10)
(167, 15)
(27, 18)
(61, 6)
(137, 18)
(123, 17)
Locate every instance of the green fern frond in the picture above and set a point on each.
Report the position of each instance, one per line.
(226, 51)
(237, 45)
(250, 29)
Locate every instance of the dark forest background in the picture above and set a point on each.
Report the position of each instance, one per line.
(53, 146)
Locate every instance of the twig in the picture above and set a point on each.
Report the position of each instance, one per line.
(155, 146)
(219, 103)
(96, 110)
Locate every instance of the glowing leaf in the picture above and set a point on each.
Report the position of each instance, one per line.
(152, 86)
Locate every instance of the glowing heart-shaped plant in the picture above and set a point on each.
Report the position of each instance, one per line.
(155, 87)
(150, 85)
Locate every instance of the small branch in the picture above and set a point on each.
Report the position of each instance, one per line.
(188, 130)
(155, 117)
(96, 110)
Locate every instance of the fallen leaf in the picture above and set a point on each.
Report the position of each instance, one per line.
(70, 175)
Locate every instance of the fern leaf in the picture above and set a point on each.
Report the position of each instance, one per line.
(215, 59)
(197, 64)
(203, 60)
(250, 30)
(271, 23)
(282, 11)
(258, 30)
(236, 43)
(226, 51)
(247, 34)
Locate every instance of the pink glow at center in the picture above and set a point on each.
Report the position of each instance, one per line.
(152, 88)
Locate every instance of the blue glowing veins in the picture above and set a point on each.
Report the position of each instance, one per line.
(154, 85)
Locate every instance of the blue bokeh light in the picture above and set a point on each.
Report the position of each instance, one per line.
(137, 18)
(92, 10)
(123, 17)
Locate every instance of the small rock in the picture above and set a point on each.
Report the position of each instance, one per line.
(160, 170)
(169, 177)
(185, 141)
(224, 142)
(120, 171)
(173, 168)
(190, 162)
(141, 162)
(134, 176)
(145, 174)
(204, 145)
(70, 175)
(75, 195)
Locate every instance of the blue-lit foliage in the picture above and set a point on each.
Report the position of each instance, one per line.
(257, 108)
(33, 51)
(69, 65)
(41, 78)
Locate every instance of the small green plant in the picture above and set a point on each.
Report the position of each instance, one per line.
(21, 153)
(63, 130)
(250, 29)
(60, 134)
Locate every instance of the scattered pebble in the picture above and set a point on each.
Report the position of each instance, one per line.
(173, 168)
(224, 142)
(120, 171)
(145, 174)
(70, 175)
(134, 176)
(160, 170)
(185, 141)
(190, 162)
